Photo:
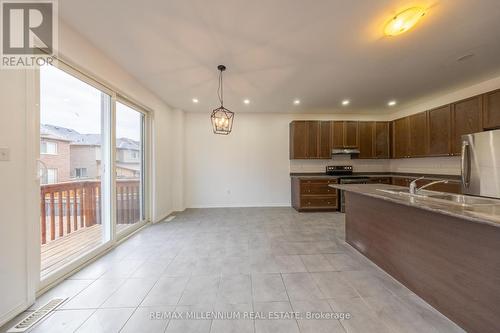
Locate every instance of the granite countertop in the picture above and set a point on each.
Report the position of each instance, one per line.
(487, 212)
(376, 174)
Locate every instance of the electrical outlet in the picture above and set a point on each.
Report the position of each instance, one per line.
(4, 154)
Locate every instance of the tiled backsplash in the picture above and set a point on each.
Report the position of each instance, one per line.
(358, 165)
(433, 165)
(430, 165)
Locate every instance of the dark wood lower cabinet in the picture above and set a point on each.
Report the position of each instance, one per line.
(452, 263)
(314, 194)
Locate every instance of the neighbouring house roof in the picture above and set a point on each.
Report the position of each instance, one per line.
(129, 166)
(126, 143)
(52, 137)
(77, 138)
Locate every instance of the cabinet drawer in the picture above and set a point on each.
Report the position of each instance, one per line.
(317, 188)
(319, 202)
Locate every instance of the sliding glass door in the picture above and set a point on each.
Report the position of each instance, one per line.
(92, 169)
(74, 146)
(129, 167)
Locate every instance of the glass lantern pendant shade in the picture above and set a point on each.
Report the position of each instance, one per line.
(222, 118)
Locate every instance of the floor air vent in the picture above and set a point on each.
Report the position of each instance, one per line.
(36, 316)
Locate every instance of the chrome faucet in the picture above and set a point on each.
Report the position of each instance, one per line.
(414, 189)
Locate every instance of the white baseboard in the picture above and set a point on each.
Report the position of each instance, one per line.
(6, 317)
(164, 216)
(257, 205)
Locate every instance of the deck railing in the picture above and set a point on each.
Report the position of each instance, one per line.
(71, 206)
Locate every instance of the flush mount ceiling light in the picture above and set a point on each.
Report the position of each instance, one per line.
(222, 118)
(296, 102)
(404, 21)
(392, 103)
(246, 101)
(346, 102)
(195, 100)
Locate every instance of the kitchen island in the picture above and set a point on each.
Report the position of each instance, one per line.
(447, 252)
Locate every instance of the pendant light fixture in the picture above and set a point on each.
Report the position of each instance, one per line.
(222, 118)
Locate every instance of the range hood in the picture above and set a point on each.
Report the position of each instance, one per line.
(345, 151)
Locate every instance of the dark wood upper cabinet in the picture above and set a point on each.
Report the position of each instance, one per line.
(345, 134)
(325, 139)
(351, 134)
(467, 119)
(418, 134)
(298, 138)
(313, 139)
(439, 131)
(366, 139)
(491, 112)
(338, 134)
(401, 138)
(382, 139)
(304, 139)
(436, 132)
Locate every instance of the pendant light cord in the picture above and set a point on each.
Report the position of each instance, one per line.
(220, 90)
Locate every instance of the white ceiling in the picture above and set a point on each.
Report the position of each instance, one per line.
(320, 51)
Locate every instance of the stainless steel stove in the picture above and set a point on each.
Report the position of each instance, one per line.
(345, 177)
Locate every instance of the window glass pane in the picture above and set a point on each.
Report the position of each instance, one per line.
(129, 166)
(74, 147)
(48, 147)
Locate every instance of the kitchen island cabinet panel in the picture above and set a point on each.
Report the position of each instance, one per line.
(450, 262)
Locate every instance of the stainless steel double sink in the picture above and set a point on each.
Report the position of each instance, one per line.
(457, 199)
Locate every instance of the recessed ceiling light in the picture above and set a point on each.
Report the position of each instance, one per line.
(404, 21)
(246, 101)
(296, 102)
(392, 103)
(346, 102)
(195, 100)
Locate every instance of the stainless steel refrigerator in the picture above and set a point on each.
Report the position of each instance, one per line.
(481, 164)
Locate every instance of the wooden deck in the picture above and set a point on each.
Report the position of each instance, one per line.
(57, 253)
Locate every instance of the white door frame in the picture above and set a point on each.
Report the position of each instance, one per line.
(34, 283)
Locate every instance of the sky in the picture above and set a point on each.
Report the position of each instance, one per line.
(68, 102)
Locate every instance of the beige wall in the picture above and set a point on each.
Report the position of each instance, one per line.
(167, 186)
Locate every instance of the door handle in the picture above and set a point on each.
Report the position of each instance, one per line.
(465, 166)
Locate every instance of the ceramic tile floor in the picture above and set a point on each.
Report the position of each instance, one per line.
(261, 260)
